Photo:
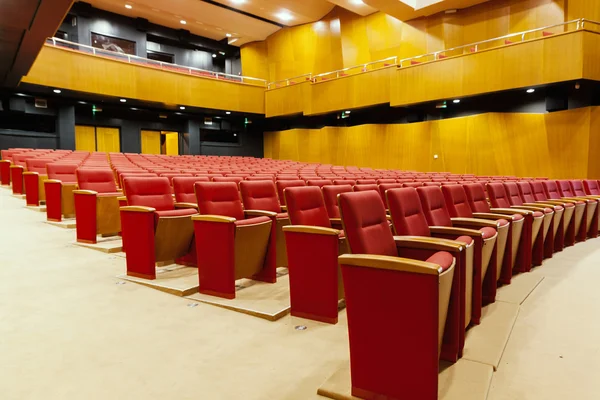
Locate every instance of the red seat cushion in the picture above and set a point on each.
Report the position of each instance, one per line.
(282, 215)
(502, 222)
(251, 221)
(548, 210)
(465, 239)
(537, 214)
(442, 258)
(517, 217)
(488, 232)
(174, 213)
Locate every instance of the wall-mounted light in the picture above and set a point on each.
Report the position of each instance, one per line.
(214, 55)
(227, 112)
(181, 107)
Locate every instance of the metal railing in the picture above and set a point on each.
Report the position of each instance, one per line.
(290, 81)
(131, 59)
(577, 24)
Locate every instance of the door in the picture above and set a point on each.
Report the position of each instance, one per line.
(150, 142)
(85, 138)
(108, 140)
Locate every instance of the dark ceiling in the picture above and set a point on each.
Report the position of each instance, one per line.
(24, 26)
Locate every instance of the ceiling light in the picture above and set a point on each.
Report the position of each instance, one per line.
(222, 53)
(456, 101)
(181, 107)
(123, 100)
(530, 90)
(57, 91)
(182, 22)
(228, 34)
(357, 2)
(235, 134)
(82, 102)
(227, 112)
(347, 112)
(21, 94)
(238, 1)
(128, 6)
(134, 109)
(284, 16)
(214, 55)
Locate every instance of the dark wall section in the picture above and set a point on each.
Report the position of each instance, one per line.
(65, 127)
(251, 145)
(10, 138)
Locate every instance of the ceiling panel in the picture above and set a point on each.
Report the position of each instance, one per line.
(202, 19)
(356, 6)
(285, 12)
(409, 9)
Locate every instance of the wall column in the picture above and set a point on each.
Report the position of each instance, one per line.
(65, 128)
(193, 129)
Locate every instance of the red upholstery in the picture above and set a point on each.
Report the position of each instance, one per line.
(38, 165)
(219, 198)
(366, 225)
(551, 190)
(172, 175)
(498, 195)
(98, 180)
(407, 213)
(319, 182)
(366, 182)
(577, 188)
(385, 181)
(456, 201)
(565, 189)
(383, 187)
(591, 187)
(260, 195)
(412, 184)
(306, 206)
(152, 192)
(65, 173)
(282, 185)
(362, 188)
(183, 186)
(350, 182)
(235, 179)
(330, 193)
(434, 206)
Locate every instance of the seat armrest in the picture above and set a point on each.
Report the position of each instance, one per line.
(315, 230)
(552, 202)
(213, 218)
(30, 173)
(121, 198)
(427, 243)
(283, 208)
(85, 192)
(259, 213)
(446, 230)
(531, 207)
(491, 216)
(511, 211)
(473, 222)
(138, 209)
(53, 181)
(186, 205)
(390, 263)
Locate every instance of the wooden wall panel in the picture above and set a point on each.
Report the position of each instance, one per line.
(150, 141)
(108, 140)
(255, 62)
(85, 138)
(554, 145)
(588, 9)
(86, 73)
(288, 100)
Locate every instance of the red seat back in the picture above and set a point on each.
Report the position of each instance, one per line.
(564, 188)
(526, 191)
(152, 192)
(551, 189)
(476, 198)
(38, 165)
(282, 185)
(330, 194)
(513, 194)
(412, 184)
(498, 196)
(537, 188)
(434, 206)
(350, 182)
(260, 195)
(99, 180)
(591, 187)
(362, 188)
(456, 201)
(63, 172)
(407, 213)
(183, 186)
(383, 187)
(366, 225)
(577, 188)
(219, 198)
(319, 182)
(306, 206)
(366, 182)
(385, 181)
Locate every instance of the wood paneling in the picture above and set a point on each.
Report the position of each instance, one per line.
(85, 138)
(150, 142)
(171, 143)
(108, 140)
(588, 9)
(86, 73)
(288, 100)
(554, 145)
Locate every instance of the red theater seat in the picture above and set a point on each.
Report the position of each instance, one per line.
(397, 308)
(330, 194)
(362, 188)
(577, 191)
(568, 222)
(282, 185)
(33, 179)
(59, 187)
(350, 182)
(313, 248)
(228, 245)
(96, 204)
(319, 182)
(458, 207)
(153, 230)
(554, 195)
(262, 196)
(482, 234)
(183, 186)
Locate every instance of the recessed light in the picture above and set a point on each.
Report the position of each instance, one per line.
(222, 53)
(57, 91)
(182, 22)
(456, 101)
(530, 90)
(357, 2)
(228, 34)
(347, 112)
(214, 56)
(123, 100)
(238, 1)
(227, 112)
(21, 94)
(82, 102)
(284, 16)
(218, 117)
(128, 6)
(181, 107)
(235, 134)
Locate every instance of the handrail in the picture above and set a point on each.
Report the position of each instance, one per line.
(440, 54)
(162, 65)
(288, 81)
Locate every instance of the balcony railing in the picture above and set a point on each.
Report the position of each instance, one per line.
(506, 40)
(131, 59)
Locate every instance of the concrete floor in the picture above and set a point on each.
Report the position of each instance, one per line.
(69, 331)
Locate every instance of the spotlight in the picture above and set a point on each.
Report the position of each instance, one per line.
(57, 91)
(347, 112)
(228, 34)
(181, 107)
(227, 112)
(530, 90)
(123, 100)
(214, 55)
(456, 101)
(284, 16)
(182, 22)
(128, 6)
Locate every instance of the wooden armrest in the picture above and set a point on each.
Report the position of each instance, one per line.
(490, 216)
(316, 230)
(390, 263)
(512, 211)
(30, 173)
(87, 192)
(260, 213)
(138, 209)
(120, 198)
(552, 202)
(16, 166)
(186, 205)
(52, 181)
(481, 223)
(576, 198)
(531, 208)
(428, 243)
(283, 208)
(335, 221)
(447, 230)
(213, 218)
